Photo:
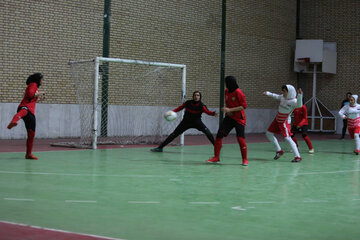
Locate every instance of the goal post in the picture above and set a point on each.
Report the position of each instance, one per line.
(139, 94)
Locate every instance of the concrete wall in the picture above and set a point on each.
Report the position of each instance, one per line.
(63, 121)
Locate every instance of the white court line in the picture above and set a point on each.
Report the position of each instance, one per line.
(86, 175)
(261, 202)
(314, 173)
(61, 231)
(80, 201)
(208, 203)
(315, 201)
(143, 202)
(239, 208)
(18, 199)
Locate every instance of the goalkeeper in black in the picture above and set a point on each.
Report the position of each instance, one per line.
(192, 119)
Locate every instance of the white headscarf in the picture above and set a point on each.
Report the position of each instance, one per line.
(291, 91)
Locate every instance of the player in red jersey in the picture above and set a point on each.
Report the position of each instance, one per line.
(26, 110)
(235, 118)
(300, 125)
(192, 119)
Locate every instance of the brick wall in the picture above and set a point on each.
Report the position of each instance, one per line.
(41, 36)
(334, 21)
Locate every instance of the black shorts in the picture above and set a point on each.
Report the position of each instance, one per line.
(302, 129)
(29, 119)
(227, 125)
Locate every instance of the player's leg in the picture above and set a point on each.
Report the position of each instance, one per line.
(274, 128)
(306, 138)
(22, 112)
(240, 136)
(357, 140)
(199, 125)
(344, 128)
(30, 124)
(293, 133)
(182, 127)
(353, 134)
(285, 130)
(223, 131)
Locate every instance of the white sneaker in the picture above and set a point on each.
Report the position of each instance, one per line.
(311, 151)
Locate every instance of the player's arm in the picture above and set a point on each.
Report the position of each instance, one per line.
(178, 109)
(299, 97)
(343, 112)
(273, 95)
(208, 112)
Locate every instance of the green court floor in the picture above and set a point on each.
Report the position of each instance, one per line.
(135, 194)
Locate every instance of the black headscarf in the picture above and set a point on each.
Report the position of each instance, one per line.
(34, 78)
(231, 83)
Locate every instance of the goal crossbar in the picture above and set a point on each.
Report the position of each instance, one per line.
(98, 60)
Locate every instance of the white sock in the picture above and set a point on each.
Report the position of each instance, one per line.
(293, 146)
(274, 140)
(357, 141)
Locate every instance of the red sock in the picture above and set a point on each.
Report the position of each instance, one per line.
(217, 147)
(308, 142)
(30, 141)
(294, 139)
(243, 147)
(19, 115)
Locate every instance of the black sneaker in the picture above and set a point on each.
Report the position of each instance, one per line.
(156, 149)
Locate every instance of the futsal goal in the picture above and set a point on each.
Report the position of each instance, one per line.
(123, 101)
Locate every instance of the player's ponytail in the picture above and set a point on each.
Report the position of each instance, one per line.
(34, 78)
(231, 84)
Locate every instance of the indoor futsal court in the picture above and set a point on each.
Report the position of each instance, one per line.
(180, 120)
(131, 193)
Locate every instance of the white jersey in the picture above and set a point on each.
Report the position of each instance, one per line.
(288, 104)
(352, 113)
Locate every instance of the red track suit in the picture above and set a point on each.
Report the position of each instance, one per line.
(300, 124)
(280, 124)
(26, 111)
(352, 113)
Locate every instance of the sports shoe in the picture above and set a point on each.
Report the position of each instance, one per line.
(11, 125)
(311, 150)
(158, 149)
(296, 159)
(31, 157)
(278, 154)
(213, 160)
(245, 162)
(357, 152)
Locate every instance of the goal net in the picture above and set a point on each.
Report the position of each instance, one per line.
(123, 101)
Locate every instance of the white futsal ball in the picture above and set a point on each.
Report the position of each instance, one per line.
(170, 116)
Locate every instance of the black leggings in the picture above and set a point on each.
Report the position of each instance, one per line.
(227, 125)
(29, 119)
(303, 130)
(185, 125)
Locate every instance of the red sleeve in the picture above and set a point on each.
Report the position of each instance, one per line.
(179, 108)
(242, 99)
(31, 90)
(304, 114)
(207, 111)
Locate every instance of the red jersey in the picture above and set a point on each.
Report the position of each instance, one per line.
(29, 99)
(236, 99)
(300, 116)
